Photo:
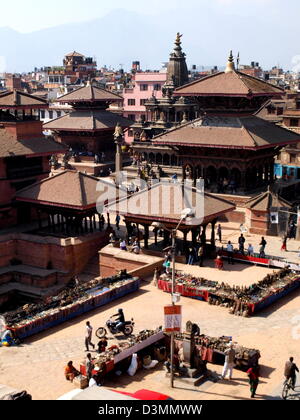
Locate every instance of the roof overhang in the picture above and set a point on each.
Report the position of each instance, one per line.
(229, 95)
(51, 204)
(211, 146)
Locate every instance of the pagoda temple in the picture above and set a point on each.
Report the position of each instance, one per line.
(227, 145)
(24, 151)
(169, 111)
(89, 127)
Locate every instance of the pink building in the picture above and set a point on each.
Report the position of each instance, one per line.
(145, 85)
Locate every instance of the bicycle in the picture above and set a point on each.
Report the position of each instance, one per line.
(287, 387)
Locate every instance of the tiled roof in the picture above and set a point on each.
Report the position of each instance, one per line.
(232, 83)
(10, 147)
(267, 201)
(69, 189)
(87, 121)
(90, 93)
(74, 54)
(164, 203)
(15, 98)
(230, 132)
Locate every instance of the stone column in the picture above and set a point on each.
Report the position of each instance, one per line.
(213, 234)
(146, 227)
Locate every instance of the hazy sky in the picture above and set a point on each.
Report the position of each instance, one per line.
(267, 31)
(31, 15)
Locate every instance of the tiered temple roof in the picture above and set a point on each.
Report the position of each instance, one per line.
(91, 94)
(20, 100)
(247, 132)
(266, 201)
(162, 201)
(10, 147)
(68, 189)
(229, 83)
(87, 120)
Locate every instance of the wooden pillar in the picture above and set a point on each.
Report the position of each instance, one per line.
(194, 236)
(146, 236)
(203, 235)
(213, 233)
(166, 238)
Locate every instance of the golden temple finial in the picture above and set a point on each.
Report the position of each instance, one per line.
(178, 38)
(230, 64)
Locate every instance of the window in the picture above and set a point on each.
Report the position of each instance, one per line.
(58, 113)
(42, 115)
(143, 101)
(143, 88)
(131, 117)
(294, 122)
(51, 115)
(157, 87)
(293, 158)
(130, 133)
(131, 102)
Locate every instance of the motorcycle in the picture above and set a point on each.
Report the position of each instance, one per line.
(111, 325)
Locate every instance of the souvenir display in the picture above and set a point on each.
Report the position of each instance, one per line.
(210, 347)
(71, 302)
(241, 301)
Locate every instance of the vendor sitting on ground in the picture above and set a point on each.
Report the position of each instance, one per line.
(7, 338)
(70, 372)
(102, 345)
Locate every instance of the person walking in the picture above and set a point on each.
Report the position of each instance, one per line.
(253, 374)
(290, 372)
(242, 241)
(88, 336)
(191, 257)
(219, 233)
(284, 244)
(229, 362)
(230, 251)
(201, 255)
(263, 245)
(118, 220)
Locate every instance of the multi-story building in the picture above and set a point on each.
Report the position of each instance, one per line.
(144, 86)
(24, 151)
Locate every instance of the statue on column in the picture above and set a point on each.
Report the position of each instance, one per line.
(53, 162)
(118, 137)
(118, 134)
(66, 159)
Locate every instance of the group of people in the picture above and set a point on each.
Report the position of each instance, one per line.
(71, 372)
(254, 372)
(242, 250)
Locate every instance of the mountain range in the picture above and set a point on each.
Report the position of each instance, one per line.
(123, 36)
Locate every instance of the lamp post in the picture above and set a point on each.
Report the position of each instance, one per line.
(187, 213)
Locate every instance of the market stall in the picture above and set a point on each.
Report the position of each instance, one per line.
(110, 360)
(188, 286)
(71, 303)
(268, 261)
(212, 350)
(242, 301)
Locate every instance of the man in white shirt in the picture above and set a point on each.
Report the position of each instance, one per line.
(250, 251)
(230, 251)
(229, 362)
